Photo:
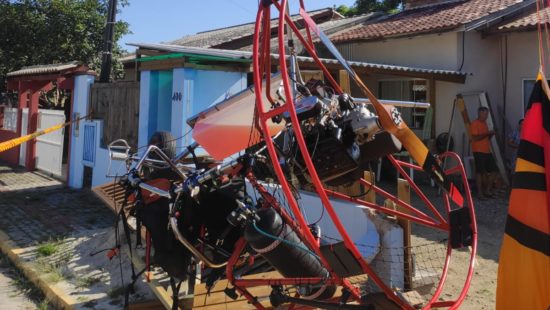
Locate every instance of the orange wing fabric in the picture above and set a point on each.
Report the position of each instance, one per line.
(524, 267)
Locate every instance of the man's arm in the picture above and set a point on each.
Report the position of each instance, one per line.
(481, 136)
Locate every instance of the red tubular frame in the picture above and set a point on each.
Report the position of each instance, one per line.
(261, 69)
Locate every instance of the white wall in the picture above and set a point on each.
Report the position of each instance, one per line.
(179, 86)
(523, 63)
(81, 95)
(102, 165)
(482, 58)
(429, 51)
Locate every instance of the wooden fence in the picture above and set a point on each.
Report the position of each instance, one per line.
(118, 105)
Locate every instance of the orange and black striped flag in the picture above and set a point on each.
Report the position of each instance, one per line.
(524, 266)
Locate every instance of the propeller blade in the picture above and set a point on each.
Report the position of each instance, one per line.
(390, 119)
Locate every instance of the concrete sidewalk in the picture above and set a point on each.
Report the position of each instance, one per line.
(14, 293)
(49, 231)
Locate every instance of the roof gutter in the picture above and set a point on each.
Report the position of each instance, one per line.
(192, 57)
(498, 17)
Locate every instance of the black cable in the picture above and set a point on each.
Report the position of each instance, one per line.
(175, 139)
(370, 187)
(321, 216)
(463, 42)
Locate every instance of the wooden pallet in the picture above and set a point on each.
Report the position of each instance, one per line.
(113, 195)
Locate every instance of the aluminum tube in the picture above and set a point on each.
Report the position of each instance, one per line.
(397, 103)
(159, 152)
(155, 190)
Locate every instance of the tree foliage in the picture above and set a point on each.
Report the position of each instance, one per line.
(366, 6)
(36, 32)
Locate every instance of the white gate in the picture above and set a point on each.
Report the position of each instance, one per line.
(49, 147)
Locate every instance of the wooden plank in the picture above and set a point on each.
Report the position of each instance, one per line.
(118, 105)
(370, 196)
(414, 298)
(344, 81)
(433, 106)
(312, 74)
(464, 113)
(404, 193)
(218, 300)
(166, 64)
(484, 102)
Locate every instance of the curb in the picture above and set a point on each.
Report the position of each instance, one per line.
(54, 295)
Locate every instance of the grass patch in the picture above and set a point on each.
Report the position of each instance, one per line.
(52, 260)
(51, 272)
(43, 305)
(48, 248)
(55, 276)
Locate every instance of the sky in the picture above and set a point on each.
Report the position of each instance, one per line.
(166, 20)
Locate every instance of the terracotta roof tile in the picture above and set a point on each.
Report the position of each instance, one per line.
(447, 15)
(528, 21)
(215, 37)
(45, 69)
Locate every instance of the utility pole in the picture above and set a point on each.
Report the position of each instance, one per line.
(107, 57)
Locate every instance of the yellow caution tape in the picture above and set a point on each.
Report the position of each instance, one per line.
(4, 146)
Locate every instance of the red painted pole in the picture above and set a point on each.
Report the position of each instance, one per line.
(32, 126)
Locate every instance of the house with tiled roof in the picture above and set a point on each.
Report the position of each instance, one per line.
(493, 41)
(239, 37)
(429, 52)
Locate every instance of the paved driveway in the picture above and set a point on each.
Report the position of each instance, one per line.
(14, 289)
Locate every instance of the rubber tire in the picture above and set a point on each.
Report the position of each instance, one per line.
(165, 141)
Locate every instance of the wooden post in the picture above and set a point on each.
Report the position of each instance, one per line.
(370, 196)
(433, 105)
(352, 189)
(404, 193)
(344, 81)
(32, 126)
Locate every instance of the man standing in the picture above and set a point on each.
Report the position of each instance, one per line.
(513, 141)
(481, 147)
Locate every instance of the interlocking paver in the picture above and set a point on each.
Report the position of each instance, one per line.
(12, 179)
(36, 208)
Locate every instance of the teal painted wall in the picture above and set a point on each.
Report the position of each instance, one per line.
(195, 91)
(164, 101)
(160, 104)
